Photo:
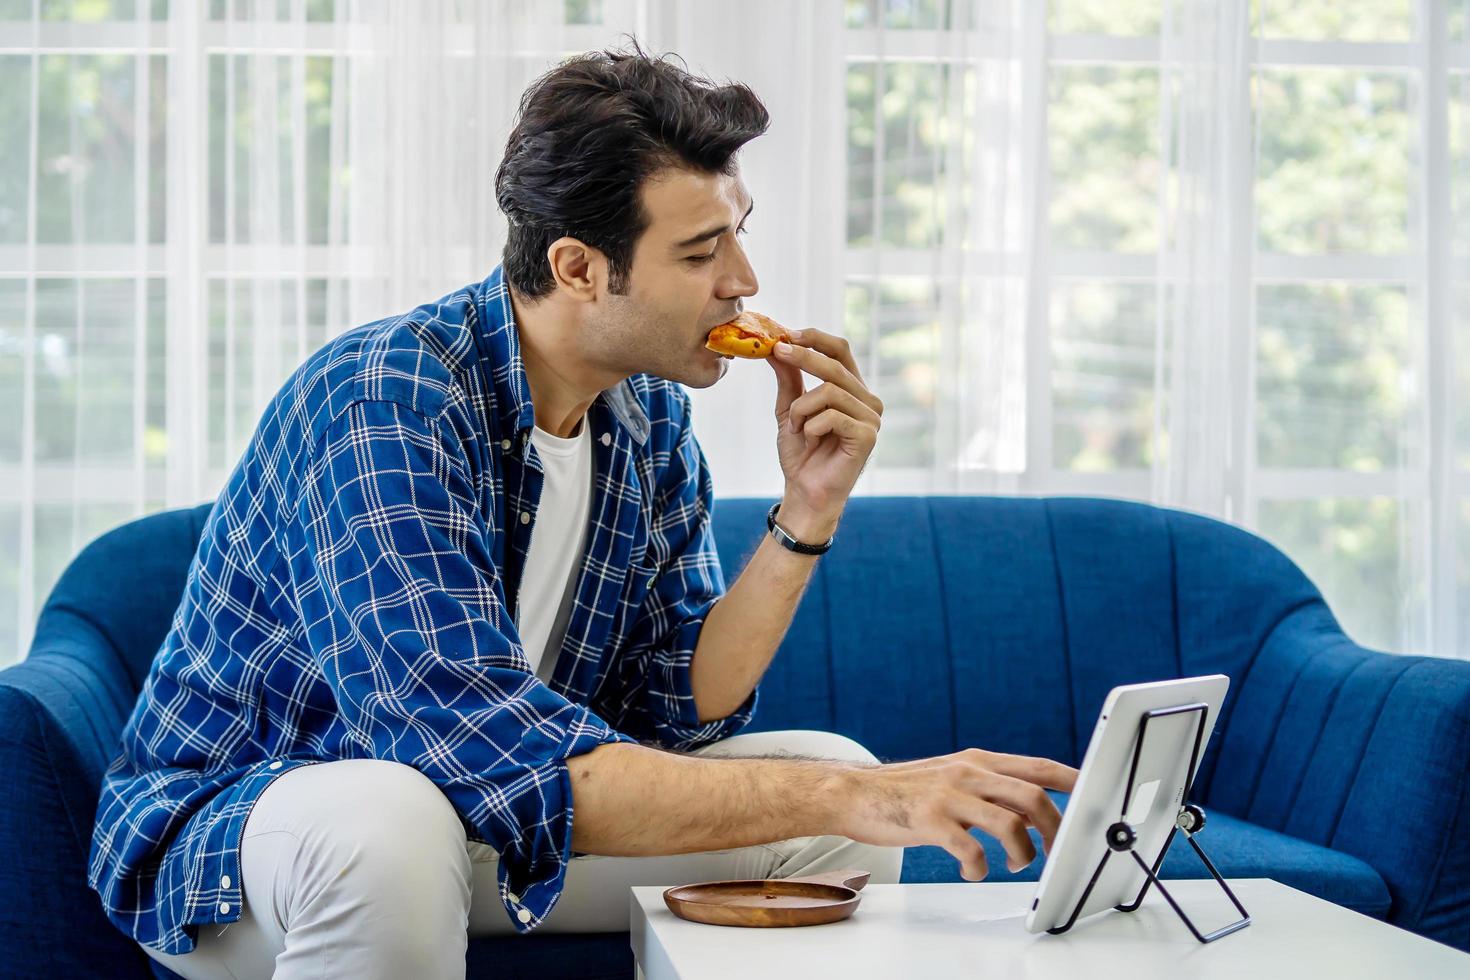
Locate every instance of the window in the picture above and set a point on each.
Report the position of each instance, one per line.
(1346, 316)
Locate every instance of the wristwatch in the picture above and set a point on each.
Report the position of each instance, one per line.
(784, 538)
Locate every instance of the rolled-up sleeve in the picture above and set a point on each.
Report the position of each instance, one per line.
(398, 589)
(687, 583)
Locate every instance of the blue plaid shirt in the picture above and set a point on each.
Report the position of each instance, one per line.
(353, 596)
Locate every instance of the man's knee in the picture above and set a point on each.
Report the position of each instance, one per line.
(830, 745)
(385, 842)
(385, 815)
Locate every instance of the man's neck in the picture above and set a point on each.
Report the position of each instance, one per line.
(563, 384)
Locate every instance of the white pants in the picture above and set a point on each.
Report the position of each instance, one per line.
(361, 868)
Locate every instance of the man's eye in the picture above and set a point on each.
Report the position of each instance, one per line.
(702, 258)
(742, 230)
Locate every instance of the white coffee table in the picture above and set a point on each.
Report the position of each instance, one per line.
(956, 930)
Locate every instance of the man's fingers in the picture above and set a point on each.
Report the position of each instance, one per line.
(847, 427)
(970, 853)
(833, 346)
(1030, 801)
(829, 395)
(1042, 772)
(828, 368)
(789, 385)
(1004, 825)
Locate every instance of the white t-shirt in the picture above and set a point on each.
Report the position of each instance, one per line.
(556, 539)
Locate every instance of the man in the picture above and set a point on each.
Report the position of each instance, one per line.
(455, 656)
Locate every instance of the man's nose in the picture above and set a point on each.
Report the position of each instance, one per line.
(739, 278)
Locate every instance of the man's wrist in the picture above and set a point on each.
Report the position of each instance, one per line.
(804, 525)
(826, 804)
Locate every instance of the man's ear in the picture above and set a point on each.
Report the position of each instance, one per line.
(576, 267)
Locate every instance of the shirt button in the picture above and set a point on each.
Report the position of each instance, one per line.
(607, 438)
(224, 908)
(505, 444)
(525, 517)
(524, 915)
(275, 765)
(224, 881)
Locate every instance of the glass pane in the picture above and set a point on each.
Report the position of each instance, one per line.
(1334, 20)
(1460, 304)
(15, 9)
(257, 337)
(12, 372)
(1459, 145)
(862, 105)
(85, 11)
(1331, 364)
(319, 80)
(898, 14)
(155, 392)
(251, 158)
(1335, 160)
(584, 11)
(1459, 19)
(1350, 549)
(910, 171)
(1131, 17)
(9, 585)
(158, 149)
(893, 326)
(1103, 134)
(84, 370)
(1102, 346)
(15, 136)
(85, 183)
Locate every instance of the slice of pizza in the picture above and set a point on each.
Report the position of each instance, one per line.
(748, 335)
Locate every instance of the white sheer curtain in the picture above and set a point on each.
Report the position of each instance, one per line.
(1078, 247)
(1204, 371)
(1224, 283)
(980, 230)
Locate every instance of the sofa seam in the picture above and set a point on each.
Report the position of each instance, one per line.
(1250, 669)
(1174, 596)
(821, 577)
(1444, 848)
(1358, 770)
(1317, 742)
(1270, 750)
(1056, 564)
(954, 727)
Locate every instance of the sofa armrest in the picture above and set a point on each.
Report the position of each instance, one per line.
(1363, 752)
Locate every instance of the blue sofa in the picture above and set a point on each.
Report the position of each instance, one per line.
(937, 623)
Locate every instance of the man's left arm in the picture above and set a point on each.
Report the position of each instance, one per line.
(824, 439)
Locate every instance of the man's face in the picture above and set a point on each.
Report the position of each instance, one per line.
(688, 276)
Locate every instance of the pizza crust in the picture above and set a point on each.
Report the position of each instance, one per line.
(752, 335)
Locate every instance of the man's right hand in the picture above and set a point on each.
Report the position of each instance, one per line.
(938, 800)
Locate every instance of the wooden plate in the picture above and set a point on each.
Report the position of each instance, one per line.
(806, 901)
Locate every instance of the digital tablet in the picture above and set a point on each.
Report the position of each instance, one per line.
(1167, 762)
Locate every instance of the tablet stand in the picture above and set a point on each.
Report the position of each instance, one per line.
(1121, 837)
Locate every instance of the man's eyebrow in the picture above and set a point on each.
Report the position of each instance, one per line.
(713, 232)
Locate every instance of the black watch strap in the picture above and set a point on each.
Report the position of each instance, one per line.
(790, 543)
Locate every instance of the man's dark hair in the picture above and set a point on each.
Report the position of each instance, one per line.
(589, 133)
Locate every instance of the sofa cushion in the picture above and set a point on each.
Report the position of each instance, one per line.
(1238, 849)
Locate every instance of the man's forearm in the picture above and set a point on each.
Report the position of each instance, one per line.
(743, 630)
(633, 800)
